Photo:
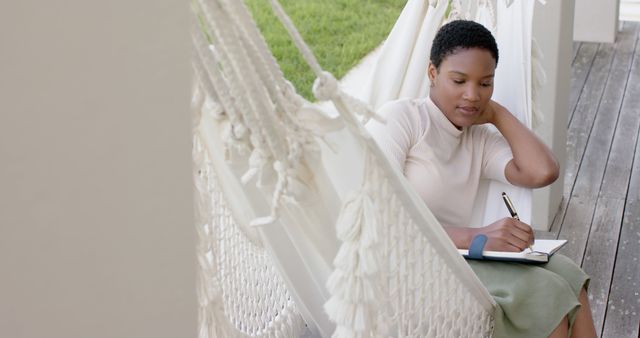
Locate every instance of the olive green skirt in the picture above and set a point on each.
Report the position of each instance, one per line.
(532, 298)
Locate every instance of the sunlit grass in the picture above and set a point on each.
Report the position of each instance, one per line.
(340, 33)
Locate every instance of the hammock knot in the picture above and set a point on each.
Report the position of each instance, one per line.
(213, 108)
(257, 162)
(325, 87)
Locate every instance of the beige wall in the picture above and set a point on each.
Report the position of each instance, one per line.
(552, 29)
(596, 20)
(96, 233)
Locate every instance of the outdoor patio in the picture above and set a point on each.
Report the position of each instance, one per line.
(599, 214)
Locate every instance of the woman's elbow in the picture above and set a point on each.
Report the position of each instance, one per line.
(546, 176)
(533, 176)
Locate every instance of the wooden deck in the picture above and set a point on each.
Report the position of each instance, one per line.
(600, 212)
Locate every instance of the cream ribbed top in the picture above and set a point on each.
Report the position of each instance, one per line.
(442, 163)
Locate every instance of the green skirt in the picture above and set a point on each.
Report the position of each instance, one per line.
(532, 299)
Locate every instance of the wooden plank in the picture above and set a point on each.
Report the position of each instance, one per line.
(541, 234)
(589, 89)
(620, 162)
(579, 71)
(603, 238)
(607, 111)
(602, 245)
(576, 47)
(623, 310)
(556, 224)
(595, 122)
(585, 112)
(575, 227)
(623, 306)
(601, 254)
(580, 204)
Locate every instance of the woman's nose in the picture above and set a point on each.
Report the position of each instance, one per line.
(471, 93)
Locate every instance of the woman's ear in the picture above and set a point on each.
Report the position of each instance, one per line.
(432, 71)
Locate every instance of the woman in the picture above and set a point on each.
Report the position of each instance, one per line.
(443, 147)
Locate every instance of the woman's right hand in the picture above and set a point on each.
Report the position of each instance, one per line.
(507, 234)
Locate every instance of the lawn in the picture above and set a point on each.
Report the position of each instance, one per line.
(340, 33)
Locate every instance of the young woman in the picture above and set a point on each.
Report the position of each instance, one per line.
(443, 147)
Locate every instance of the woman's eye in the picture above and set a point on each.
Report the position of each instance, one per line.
(488, 84)
(458, 81)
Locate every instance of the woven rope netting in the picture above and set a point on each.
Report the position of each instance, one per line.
(240, 291)
(414, 292)
(393, 275)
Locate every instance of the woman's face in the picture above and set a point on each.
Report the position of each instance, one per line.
(463, 85)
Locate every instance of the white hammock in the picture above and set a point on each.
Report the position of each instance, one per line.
(278, 180)
(403, 61)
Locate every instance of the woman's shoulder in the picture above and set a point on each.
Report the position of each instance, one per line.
(402, 104)
(411, 112)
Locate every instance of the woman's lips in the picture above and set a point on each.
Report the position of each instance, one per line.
(468, 110)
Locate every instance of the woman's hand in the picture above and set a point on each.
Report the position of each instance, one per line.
(507, 234)
(488, 115)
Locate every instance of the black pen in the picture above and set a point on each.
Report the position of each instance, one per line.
(512, 210)
(507, 202)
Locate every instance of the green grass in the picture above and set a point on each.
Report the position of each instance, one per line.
(339, 32)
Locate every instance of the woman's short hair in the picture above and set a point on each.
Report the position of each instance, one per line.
(461, 34)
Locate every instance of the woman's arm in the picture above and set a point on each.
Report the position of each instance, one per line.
(533, 164)
(507, 234)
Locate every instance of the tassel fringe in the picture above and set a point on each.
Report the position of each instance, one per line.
(353, 305)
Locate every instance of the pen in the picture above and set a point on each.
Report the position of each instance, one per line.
(512, 210)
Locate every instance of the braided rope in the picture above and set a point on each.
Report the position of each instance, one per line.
(286, 98)
(254, 71)
(212, 80)
(304, 49)
(241, 77)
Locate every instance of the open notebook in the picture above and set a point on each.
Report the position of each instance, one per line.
(542, 250)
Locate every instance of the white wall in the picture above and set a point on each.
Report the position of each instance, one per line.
(96, 231)
(552, 29)
(596, 20)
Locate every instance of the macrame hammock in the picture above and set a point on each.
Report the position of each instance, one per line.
(304, 226)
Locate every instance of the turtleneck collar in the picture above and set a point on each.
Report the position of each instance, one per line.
(441, 120)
